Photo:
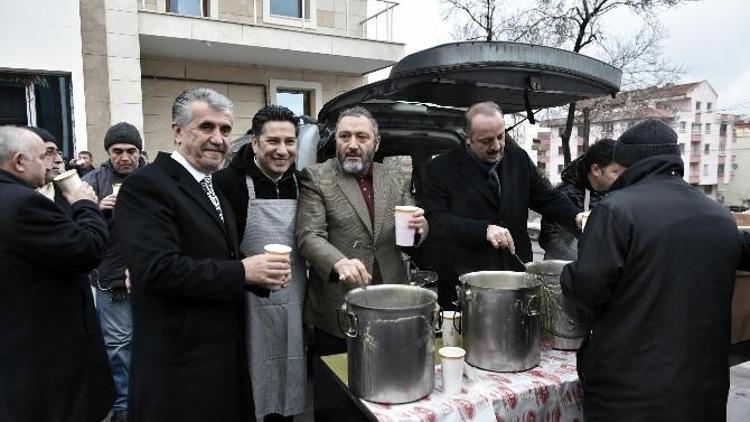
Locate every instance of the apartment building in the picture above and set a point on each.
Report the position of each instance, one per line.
(133, 57)
(705, 136)
(738, 190)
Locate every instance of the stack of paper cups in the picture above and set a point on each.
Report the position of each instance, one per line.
(450, 334)
(404, 234)
(452, 363)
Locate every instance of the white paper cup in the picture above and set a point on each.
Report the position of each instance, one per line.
(451, 338)
(68, 181)
(277, 249)
(116, 188)
(452, 362)
(404, 234)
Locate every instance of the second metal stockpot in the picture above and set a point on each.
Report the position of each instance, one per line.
(500, 322)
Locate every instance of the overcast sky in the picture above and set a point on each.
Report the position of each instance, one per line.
(709, 38)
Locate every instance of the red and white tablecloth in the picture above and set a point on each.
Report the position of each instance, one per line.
(550, 392)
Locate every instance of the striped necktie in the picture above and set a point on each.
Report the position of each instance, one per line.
(208, 187)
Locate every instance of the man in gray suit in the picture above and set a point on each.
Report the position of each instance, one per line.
(345, 225)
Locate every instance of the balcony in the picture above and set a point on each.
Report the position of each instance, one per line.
(722, 158)
(694, 179)
(696, 137)
(323, 41)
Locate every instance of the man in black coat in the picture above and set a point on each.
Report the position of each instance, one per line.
(53, 366)
(653, 281)
(477, 199)
(179, 241)
(585, 182)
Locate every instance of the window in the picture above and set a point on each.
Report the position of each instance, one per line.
(722, 149)
(542, 166)
(559, 168)
(697, 106)
(683, 127)
(290, 12)
(708, 127)
(721, 170)
(682, 149)
(705, 169)
(560, 150)
(188, 7)
(303, 98)
(708, 107)
(560, 131)
(706, 148)
(696, 128)
(608, 128)
(579, 130)
(723, 129)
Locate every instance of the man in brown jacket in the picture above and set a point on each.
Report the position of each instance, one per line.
(345, 225)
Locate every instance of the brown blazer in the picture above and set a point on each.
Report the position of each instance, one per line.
(333, 223)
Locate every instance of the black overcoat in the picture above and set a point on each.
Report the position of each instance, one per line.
(653, 281)
(187, 354)
(53, 365)
(459, 206)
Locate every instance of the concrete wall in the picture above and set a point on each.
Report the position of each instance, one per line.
(44, 35)
(247, 86)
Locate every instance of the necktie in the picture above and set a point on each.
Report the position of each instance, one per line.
(208, 187)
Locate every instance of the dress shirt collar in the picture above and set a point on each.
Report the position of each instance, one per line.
(197, 174)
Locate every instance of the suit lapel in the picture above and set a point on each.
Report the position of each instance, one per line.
(380, 186)
(350, 189)
(474, 177)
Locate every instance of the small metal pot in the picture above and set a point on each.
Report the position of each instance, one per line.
(500, 320)
(557, 325)
(391, 342)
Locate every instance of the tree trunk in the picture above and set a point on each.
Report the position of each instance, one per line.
(566, 134)
(586, 127)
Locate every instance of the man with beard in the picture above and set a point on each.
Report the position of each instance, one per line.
(585, 182)
(179, 241)
(478, 197)
(345, 224)
(262, 186)
(55, 166)
(123, 144)
(53, 366)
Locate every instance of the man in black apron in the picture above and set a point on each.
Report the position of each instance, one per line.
(261, 183)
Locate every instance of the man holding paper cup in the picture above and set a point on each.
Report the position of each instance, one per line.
(179, 241)
(346, 224)
(123, 144)
(53, 366)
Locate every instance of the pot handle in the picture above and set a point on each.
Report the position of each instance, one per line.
(351, 321)
(463, 294)
(437, 319)
(533, 306)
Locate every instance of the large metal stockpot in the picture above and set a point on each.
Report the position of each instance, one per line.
(391, 342)
(563, 331)
(500, 320)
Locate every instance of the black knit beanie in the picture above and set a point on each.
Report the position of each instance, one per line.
(123, 133)
(643, 140)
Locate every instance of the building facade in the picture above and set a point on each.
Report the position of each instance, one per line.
(705, 136)
(738, 190)
(133, 57)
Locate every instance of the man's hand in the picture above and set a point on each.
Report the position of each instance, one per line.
(499, 237)
(271, 271)
(581, 218)
(108, 203)
(352, 271)
(84, 193)
(128, 283)
(418, 222)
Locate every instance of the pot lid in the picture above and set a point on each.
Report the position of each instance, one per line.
(516, 76)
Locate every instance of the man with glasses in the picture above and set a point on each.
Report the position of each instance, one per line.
(123, 144)
(55, 165)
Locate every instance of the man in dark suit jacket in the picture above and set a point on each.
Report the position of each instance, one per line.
(179, 241)
(477, 199)
(53, 366)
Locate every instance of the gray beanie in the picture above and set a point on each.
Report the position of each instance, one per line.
(645, 139)
(123, 133)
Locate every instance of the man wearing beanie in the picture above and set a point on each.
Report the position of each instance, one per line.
(653, 282)
(123, 144)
